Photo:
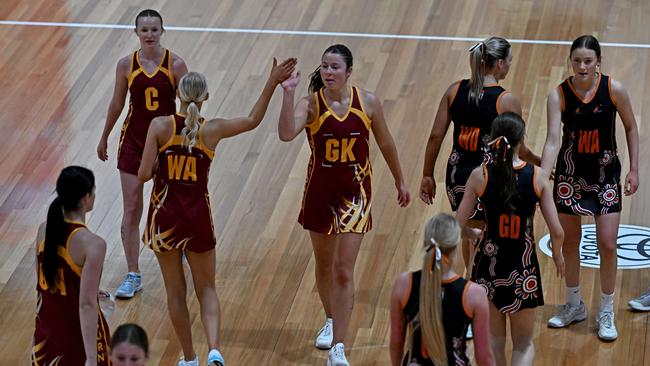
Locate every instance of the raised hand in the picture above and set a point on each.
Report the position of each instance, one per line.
(427, 190)
(291, 83)
(281, 72)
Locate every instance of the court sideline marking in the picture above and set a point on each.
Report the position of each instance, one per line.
(310, 33)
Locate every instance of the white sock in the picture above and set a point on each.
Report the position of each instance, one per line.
(573, 295)
(606, 302)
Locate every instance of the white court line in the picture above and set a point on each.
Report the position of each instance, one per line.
(311, 33)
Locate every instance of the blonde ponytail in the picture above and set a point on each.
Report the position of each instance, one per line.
(192, 89)
(482, 57)
(191, 130)
(441, 237)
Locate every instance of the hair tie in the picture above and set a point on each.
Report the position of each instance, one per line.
(496, 145)
(437, 255)
(480, 44)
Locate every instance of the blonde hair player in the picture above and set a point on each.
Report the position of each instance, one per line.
(433, 307)
(179, 218)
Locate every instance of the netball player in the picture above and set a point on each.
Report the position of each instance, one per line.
(581, 128)
(70, 328)
(506, 261)
(179, 218)
(337, 118)
(149, 75)
(437, 305)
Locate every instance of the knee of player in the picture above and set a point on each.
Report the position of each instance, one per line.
(607, 248)
(343, 275)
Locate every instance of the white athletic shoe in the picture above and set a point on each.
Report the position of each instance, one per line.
(194, 362)
(336, 356)
(325, 335)
(215, 358)
(642, 302)
(132, 283)
(606, 327)
(568, 314)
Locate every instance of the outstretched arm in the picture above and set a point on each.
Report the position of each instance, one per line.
(223, 128)
(293, 120)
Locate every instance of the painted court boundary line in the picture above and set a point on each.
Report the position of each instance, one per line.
(309, 33)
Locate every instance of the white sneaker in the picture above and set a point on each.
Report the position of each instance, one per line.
(568, 314)
(132, 283)
(336, 356)
(325, 335)
(194, 362)
(606, 327)
(642, 302)
(215, 358)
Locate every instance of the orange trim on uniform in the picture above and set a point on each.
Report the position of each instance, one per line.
(499, 109)
(592, 96)
(450, 280)
(485, 181)
(537, 191)
(171, 139)
(405, 296)
(611, 92)
(466, 309)
(563, 103)
(453, 96)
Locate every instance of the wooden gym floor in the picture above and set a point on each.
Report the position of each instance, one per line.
(56, 82)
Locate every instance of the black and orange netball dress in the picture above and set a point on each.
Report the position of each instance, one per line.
(588, 171)
(506, 262)
(472, 125)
